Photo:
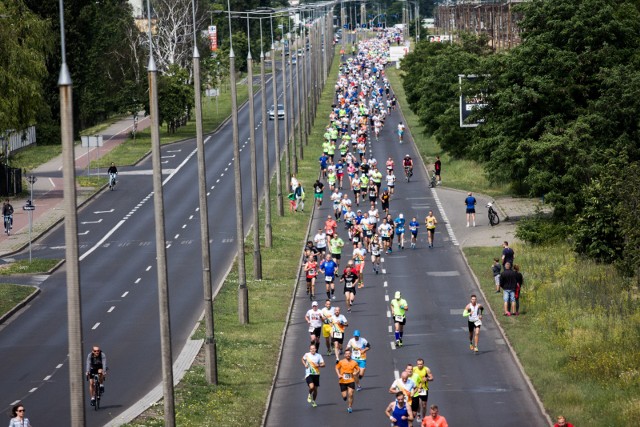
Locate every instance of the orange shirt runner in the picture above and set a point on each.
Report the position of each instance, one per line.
(347, 369)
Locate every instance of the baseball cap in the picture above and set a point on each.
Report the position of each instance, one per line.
(356, 333)
(397, 296)
(314, 304)
(401, 216)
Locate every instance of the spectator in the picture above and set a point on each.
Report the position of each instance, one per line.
(509, 283)
(562, 422)
(496, 268)
(520, 279)
(507, 254)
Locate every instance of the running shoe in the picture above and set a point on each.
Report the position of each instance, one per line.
(400, 343)
(93, 402)
(475, 349)
(349, 410)
(313, 404)
(309, 398)
(470, 346)
(333, 297)
(359, 388)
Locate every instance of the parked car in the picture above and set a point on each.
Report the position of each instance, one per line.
(272, 112)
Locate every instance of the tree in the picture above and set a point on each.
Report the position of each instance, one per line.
(175, 97)
(23, 51)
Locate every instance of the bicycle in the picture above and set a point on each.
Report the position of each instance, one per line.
(97, 390)
(408, 173)
(494, 219)
(112, 181)
(433, 182)
(8, 224)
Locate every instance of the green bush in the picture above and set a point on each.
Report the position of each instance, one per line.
(541, 230)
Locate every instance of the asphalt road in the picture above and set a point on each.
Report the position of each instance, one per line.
(481, 390)
(119, 281)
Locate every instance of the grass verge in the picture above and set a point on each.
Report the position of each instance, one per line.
(23, 266)
(460, 174)
(239, 398)
(578, 337)
(11, 295)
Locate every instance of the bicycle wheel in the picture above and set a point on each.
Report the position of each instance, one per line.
(494, 219)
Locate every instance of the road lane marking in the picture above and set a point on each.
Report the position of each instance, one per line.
(125, 294)
(111, 309)
(190, 217)
(101, 212)
(453, 273)
(33, 389)
(384, 271)
(396, 374)
(386, 298)
(91, 222)
(447, 224)
(47, 378)
(59, 366)
(95, 326)
(148, 268)
(101, 241)
(138, 280)
(388, 314)
(176, 237)
(15, 403)
(208, 193)
(184, 226)
(390, 329)
(393, 346)
(385, 284)
(84, 233)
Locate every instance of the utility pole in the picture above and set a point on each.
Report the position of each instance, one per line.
(265, 150)
(276, 133)
(285, 103)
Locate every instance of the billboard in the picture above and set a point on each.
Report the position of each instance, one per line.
(472, 98)
(213, 37)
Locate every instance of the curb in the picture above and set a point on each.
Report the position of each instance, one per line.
(20, 305)
(512, 352)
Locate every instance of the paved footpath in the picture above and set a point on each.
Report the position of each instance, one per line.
(48, 192)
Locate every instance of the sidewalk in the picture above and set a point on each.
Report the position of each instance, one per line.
(48, 192)
(510, 210)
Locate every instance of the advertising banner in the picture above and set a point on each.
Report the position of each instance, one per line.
(213, 37)
(472, 98)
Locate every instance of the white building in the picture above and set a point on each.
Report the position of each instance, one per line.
(136, 5)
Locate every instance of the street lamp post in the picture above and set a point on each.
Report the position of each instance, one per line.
(276, 131)
(285, 103)
(290, 118)
(265, 149)
(30, 207)
(211, 359)
(243, 291)
(257, 256)
(161, 251)
(74, 300)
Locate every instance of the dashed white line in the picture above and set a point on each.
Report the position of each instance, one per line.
(174, 238)
(113, 307)
(388, 313)
(385, 284)
(47, 378)
(384, 271)
(59, 366)
(396, 374)
(138, 280)
(124, 295)
(148, 268)
(393, 347)
(208, 193)
(33, 389)
(190, 217)
(95, 326)
(390, 329)
(184, 226)
(17, 401)
(217, 180)
(386, 298)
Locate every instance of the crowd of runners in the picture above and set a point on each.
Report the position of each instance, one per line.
(361, 195)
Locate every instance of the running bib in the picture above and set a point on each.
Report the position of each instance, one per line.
(422, 392)
(478, 323)
(311, 328)
(398, 318)
(349, 284)
(328, 279)
(337, 335)
(347, 376)
(355, 353)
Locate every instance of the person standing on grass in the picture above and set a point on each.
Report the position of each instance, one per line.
(473, 311)
(438, 168)
(470, 202)
(496, 269)
(508, 254)
(509, 284)
(562, 422)
(520, 280)
(312, 362)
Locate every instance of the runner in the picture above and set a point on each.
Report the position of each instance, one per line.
(320, 240)
(385, 198)
(375, 248)
(359, 256)
(312, 362)
(311, 270)
(350, 278)
(399, 308)
(430, 222)
(328, 267)
(399, 226)
(327, 315)
(391, 181)
(335, 246)
(359, 348)
(473, 310)
(421, 375)
(314, 320)
(434, 419)
(318, 192)
(338, 323)
(413, 228)
(405, 386)
(398, 412)
(385, 231)
(336, 198)
(346, 370)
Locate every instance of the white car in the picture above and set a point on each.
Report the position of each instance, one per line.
(272, 112)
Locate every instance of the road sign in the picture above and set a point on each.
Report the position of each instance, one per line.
(29, 207)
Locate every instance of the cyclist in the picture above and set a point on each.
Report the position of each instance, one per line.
(113, 174)
(399, 309)
(7, 213)
(96, 364)
(407, 162)
(400, 132)
(359, 348)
